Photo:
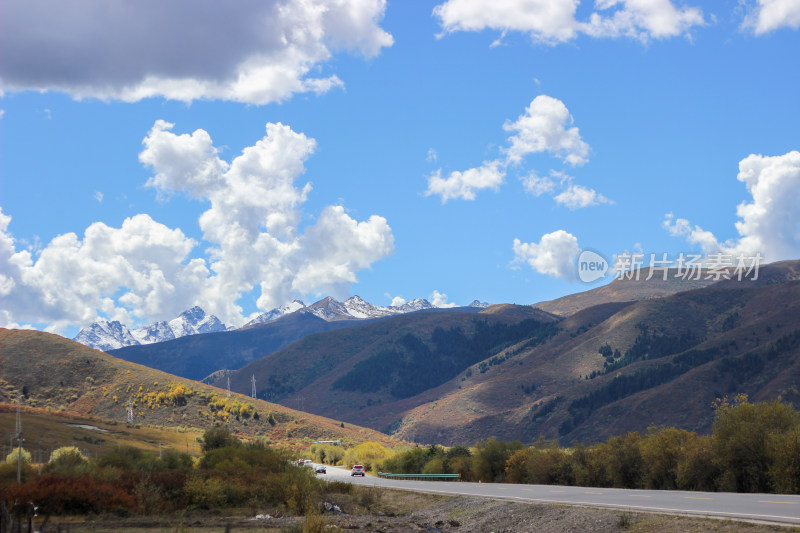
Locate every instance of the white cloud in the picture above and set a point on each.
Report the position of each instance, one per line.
(536, 185)
(553, 21)
(545, 127)
(432, 155)
(549, 21)
(770, 223)
(143, 270)
(642, 19)
(464, 185)
(439, 299)
(578, 196)
(554, 254)
(98, 196)
(770, 15)
(72, 278)
(253, 51)
(2, 113)
(398, 301)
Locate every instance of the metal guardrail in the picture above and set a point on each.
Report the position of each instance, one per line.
(422, 477)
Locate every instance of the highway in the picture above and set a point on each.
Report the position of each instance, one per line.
(776, 508)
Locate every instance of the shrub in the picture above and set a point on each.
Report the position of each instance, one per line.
(59, 495)
(68, 461)
(13, 457)
(218, 437)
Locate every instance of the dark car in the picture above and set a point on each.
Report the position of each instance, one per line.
(320, 469)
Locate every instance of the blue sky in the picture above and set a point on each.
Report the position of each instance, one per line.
(453, 150)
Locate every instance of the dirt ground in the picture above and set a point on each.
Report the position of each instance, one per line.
(400, 512)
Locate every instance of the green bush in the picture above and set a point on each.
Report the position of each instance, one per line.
(13, 457)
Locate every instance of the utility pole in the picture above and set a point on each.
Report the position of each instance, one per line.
(130, 411)
(229, 386)
(253, 390)
(19, 439)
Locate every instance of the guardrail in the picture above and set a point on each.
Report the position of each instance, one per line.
(422, 477)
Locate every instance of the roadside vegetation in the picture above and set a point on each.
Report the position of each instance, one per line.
(754, 447)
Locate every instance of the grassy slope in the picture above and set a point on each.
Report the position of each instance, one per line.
(493, 404)
(310, 366)
(530, 392)
(57, 375)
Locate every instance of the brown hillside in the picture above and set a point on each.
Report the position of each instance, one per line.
(739, 340)
(58, 375)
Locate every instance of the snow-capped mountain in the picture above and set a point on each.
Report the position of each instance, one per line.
(193, 321)
(359, 308)
(111, 335)
(274, 314)
(417, 304)
(328, 309)
(158, 332)
(104, 335)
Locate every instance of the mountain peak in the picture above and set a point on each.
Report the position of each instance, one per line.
(104, 335)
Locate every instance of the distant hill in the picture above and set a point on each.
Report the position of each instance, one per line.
(622, 290)
(396, 358)
(197, 356)
(515, 372)
(62, 376)
(641, 288)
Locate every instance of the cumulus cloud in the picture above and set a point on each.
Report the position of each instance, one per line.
(554, 254)
(769, 224)
(549, 21)
(249, 51)
(398, 301)
(553, 21)
(145, 270)
(143, 262)
(464, 184)
(439, 299)
(545, 127)
(577, 197)
(770, 15)
(536, 185)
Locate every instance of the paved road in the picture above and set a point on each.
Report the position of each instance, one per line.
(763, 507)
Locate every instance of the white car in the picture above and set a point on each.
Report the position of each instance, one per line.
(358, 470)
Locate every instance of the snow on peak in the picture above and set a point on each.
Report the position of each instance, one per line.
(104, 335)
(274, 314)
(359, 308)
(328, 309)
(417, 304)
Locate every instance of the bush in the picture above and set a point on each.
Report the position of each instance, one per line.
(68, 461)
(60, 495)
(489, 462)
(219, 437)
(742, 435)
(13, 457)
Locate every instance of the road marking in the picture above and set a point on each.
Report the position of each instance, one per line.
(529, 490)
(558, 491)
(697, 498)
(501, 488)
(770, 501)
(586, 492)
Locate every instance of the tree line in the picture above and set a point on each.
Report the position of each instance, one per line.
(753, 447)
